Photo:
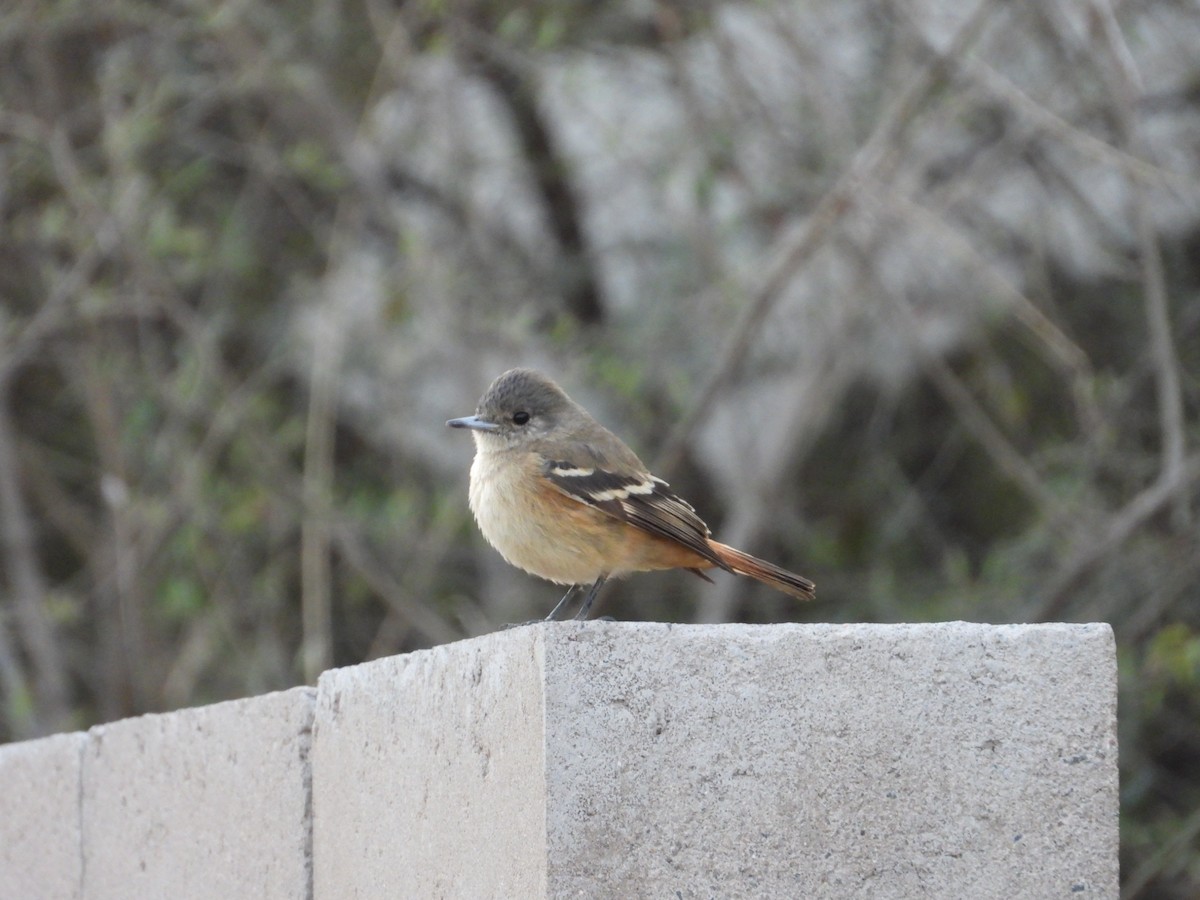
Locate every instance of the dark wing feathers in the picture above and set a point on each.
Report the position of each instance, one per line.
(639, 499)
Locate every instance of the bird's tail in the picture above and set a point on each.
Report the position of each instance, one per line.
(761, 570)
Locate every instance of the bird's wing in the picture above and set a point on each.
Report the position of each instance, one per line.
(638, 498)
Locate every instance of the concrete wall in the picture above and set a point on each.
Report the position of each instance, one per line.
(605, 760)
(40, 845)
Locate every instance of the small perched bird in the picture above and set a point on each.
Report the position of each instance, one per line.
(562, 497)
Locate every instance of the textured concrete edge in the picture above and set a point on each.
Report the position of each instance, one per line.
(595, 665)
(1102, 633)
(555, 633)
(57, 812)
(41, 848)
(199, 801)
(428, 772)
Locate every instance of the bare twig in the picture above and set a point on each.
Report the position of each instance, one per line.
(315, 589)
(395, 595)
(55, 308)
(188, 660)
(14, 689)
(970, 412)
(1066, 355)
(1104, 540)
(1178, 842)
(118, 560)
(871, 163)
(1079, 140)
(515, 84)
(1137, 625)
(989, 436)
(1125, 87)
(29, 594)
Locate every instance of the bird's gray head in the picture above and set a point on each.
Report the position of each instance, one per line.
(520, 406)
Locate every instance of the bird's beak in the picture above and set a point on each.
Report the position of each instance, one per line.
(473, 422)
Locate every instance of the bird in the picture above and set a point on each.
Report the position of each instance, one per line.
(561, 497)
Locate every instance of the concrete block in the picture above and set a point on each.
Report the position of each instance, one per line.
(429, 774)
(632, 759)
(948, 760)
(211, 802)
(39, 817)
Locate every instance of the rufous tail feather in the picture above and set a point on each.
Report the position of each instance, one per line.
(767, 573)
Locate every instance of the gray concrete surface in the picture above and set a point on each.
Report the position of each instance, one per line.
(39, 818)
(428, 775)
(606, 760)
(946, 760)
(211, 802)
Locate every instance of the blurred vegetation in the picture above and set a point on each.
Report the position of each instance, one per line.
(235, 309)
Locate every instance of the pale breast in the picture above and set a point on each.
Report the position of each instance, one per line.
(566, 543)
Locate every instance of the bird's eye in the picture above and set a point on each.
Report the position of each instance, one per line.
(520, 417)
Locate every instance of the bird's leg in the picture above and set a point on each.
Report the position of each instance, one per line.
(590, 598)
(561, 603)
